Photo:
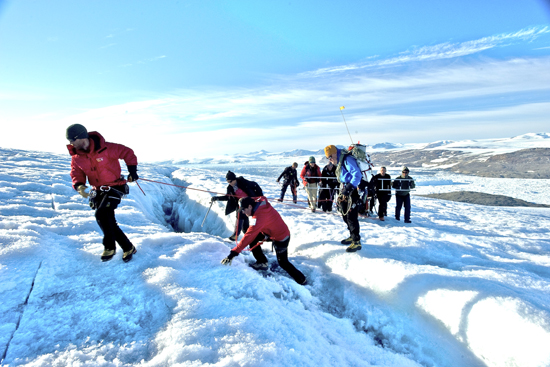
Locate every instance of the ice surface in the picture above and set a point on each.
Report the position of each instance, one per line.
(463, 285)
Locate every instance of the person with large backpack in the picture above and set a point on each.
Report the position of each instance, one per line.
(267, 224)
(349, 175)
(237, 188)
(97, 161)
(290, 177)
(311, 176)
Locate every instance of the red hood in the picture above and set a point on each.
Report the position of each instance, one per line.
(93, 136)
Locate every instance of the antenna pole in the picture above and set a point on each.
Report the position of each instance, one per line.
(341, 109)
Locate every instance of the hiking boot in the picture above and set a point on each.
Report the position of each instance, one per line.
(259, 266)
(107, 255)
(233, 237)
(382, 219)
(408, 221)
(347, 241)
(127, 256)
(279, 200)
(355, 246)
(304, 282)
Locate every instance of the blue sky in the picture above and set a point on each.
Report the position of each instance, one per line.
(176, 79)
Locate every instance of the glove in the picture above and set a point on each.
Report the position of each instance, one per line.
(132, 174)
(348, 189)
(229, 259)
(277, 181)
(82, 191)
(214, 198)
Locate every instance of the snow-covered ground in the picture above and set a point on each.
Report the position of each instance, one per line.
(463, 285)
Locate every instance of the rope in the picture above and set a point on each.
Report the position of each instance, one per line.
(219, 193)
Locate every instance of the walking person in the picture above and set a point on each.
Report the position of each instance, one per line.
(349, 175)
(382, 187)
(311, 176)
(238, 188)
(403, 185)
(329, 187)
(96, 161)
(268, 224)
(290, 178)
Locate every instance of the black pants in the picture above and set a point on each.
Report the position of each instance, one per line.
(383, 198)
(292, 189)
(352, 217)
(281, 248)
(326, 198)
(105, 204)
(399, 202)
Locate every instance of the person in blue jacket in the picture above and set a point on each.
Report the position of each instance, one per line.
(349, 175)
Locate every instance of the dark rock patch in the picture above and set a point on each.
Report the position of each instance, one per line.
(481, 198)
(527, 163)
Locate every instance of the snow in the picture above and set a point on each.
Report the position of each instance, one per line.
(463, 285)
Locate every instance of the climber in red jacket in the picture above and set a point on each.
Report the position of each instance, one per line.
(265, 224)
(96, 160)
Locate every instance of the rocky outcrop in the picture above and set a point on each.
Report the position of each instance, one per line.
(526, 163)
(480, 198)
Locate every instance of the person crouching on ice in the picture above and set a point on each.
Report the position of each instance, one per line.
(265, 223)
(349, 175)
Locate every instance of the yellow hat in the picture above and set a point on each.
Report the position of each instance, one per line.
(330, 150)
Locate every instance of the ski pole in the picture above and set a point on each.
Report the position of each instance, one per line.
(140, 188)
(207, 213)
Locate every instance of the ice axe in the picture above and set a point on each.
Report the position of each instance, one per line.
(207, 213)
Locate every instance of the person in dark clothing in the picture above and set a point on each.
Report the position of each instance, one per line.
(403, 185)
(290, 178)
(267, 225)
(382, 186)
(329, 187)
(95, 160)
(365, 192)
(238, 188)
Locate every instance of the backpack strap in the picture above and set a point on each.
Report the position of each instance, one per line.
(340, 163)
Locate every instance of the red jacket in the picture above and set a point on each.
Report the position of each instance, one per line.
(100, 163)
(308, 171)
(268, 222)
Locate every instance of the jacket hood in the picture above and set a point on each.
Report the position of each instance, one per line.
(96, 142)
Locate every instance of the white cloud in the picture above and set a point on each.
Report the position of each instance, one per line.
(441, 51)
(435, 100)
(107, 46)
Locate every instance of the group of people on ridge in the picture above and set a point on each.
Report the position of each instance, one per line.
(97, 161)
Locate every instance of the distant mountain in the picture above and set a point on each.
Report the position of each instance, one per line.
(387, 146)
(439, 143)
(532, 136)
(261, 152)
(522, 156)
(300, 152)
